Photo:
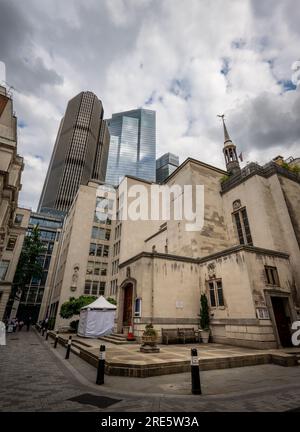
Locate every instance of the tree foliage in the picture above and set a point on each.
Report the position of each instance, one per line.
(29, 265)
(73, 306)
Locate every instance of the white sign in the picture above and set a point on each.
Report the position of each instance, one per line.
(194, 361)
(102, 355)
(2, 333)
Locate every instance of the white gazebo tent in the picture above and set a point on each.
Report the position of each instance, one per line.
(97, 319)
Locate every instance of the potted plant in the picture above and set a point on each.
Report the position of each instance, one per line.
(149, 339)
(204, 319)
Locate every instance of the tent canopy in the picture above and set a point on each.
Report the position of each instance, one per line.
(100, 303)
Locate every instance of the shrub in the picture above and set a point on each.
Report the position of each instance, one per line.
(204, 313)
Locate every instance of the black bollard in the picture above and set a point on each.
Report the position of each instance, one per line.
(47, 334)
(68, 348)
(196, 386)
(56, 340)
(101, 366)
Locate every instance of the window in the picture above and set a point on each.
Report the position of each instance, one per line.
(105, 250)
(3, 269)
(216, 293)
(93, 249)
(107, 234)
(90, 268)
(94, 288)
(99, 233)
(87, 287)
(18, 219)
(242, 227)
(11, 243)
(103, 269)
(272, 275)
(102, 288)
(138, 307)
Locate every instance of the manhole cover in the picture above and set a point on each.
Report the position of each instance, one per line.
(91, 399)
(14, 339)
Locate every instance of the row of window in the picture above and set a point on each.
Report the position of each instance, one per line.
(216, 290)
(117, 248)
(100, 233)
(118, 231)
(114, 287)
(115, 267)
(96, 288)
(96, 268)
(99, 250)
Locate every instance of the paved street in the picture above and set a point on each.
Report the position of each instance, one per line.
(35, 377)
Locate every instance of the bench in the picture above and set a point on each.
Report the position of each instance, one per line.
(169, 335)
(187, 334)
(176, 335)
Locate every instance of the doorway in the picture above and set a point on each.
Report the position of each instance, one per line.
(283, 320)
(127, 306)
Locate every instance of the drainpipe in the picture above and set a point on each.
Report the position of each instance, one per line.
(152, 290)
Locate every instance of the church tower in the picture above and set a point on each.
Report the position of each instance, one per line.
(229, 150)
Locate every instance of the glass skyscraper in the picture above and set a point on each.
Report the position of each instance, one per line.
(165, 166)
(132, 149)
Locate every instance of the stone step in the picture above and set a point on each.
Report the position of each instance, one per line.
(114, 340)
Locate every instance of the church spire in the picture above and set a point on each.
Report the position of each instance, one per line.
(229, 150)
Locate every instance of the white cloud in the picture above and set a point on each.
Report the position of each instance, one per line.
(171, 54)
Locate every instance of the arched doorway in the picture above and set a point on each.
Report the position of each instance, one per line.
(127, 305)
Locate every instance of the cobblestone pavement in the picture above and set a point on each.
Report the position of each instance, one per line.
(35, 377)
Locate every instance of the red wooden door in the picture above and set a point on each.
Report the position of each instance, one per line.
(127, 310)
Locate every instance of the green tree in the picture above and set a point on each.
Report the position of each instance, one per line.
(111, 300)
(28, 266)
(204, 313)
(73, 306)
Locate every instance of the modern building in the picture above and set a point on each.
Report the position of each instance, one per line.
(12, 219)
(35, 293)
(165, 166)
(132, 148)
(80, 152)
(245, 257)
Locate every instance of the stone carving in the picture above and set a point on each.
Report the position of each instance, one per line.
(211, 268)
(236, 204)
(75, 277)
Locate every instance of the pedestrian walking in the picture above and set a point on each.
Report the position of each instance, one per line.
(21, 323)
(28, 323)
(15, 324)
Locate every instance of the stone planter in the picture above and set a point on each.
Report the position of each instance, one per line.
(204, 335)
(149, 344)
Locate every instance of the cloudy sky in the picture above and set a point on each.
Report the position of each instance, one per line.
(187, 59)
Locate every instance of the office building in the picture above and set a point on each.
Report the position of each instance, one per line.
(165, 166)
(132, 148)
(80, 152)
(13, 220)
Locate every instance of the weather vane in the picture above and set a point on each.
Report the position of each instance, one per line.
(221, 116)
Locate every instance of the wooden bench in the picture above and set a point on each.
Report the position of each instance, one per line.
(176, 335)
(187, 335)
(169, 336)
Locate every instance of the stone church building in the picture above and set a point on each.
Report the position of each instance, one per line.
(246, 258)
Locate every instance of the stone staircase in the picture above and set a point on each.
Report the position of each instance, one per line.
(115, 338)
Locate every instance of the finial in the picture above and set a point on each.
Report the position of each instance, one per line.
(226, 134)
